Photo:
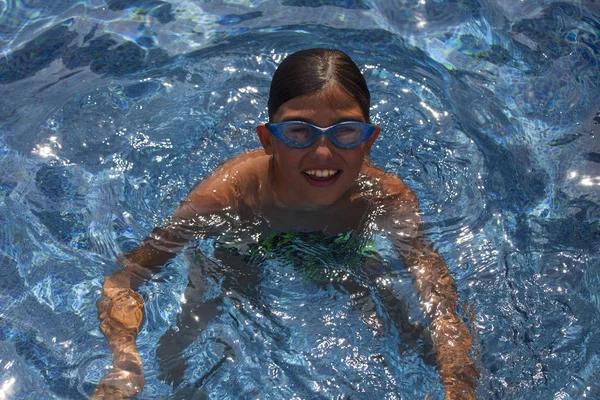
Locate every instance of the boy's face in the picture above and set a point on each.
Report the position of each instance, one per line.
(322, 173)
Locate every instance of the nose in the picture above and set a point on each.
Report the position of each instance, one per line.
(323, 150)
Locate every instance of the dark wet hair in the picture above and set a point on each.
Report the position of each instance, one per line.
(310, 71)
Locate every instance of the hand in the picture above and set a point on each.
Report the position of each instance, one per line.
(118, 384)
(460, 379)
(121, 312)
(462, 392)
(457, 370)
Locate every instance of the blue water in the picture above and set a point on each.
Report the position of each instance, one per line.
(490, 111)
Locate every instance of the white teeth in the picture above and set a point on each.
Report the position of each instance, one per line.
(322, 173)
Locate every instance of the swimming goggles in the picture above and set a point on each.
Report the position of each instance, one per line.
(301, 134)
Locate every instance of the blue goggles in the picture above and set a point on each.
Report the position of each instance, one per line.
(301, 134)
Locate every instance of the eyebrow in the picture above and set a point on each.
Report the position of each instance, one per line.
(337, 121)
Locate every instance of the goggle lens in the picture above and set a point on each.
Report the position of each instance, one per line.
(302, 134)
(299, 133)
(347, 133)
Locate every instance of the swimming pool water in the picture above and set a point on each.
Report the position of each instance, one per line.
(111, 110)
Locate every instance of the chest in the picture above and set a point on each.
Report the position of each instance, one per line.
(331, 221)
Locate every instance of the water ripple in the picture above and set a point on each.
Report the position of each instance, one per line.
(111, 112)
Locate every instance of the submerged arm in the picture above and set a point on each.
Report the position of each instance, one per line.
(121, 308)
(438, 296)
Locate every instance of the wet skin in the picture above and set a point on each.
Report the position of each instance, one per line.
(294, 188)
(272, 192)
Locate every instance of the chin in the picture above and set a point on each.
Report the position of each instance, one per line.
(324, 200)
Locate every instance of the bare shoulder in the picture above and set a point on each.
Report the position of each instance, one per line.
(392, 185)
(245, 162)
(232, 179)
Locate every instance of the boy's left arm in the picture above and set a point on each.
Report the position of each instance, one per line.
(437, 294)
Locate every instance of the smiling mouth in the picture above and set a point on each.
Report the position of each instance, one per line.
(322, 177)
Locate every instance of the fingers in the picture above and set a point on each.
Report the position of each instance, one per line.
(121, 312)
(459, 393)
(127, 308)
(119, 384)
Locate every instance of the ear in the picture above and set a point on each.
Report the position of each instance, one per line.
(265, 137)
(371, 139)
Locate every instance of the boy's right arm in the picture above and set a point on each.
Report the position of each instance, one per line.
(121, 308)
